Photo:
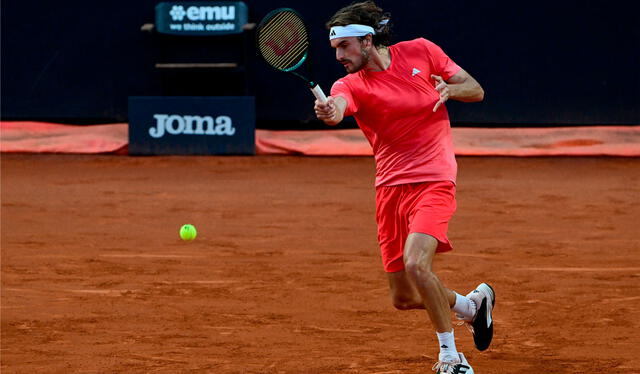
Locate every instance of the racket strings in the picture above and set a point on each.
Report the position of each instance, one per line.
(288, 60)
(283, 41)
(283, 47)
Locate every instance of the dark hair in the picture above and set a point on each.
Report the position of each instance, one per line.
(365, 13)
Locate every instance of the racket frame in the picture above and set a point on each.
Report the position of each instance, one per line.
(313, 85)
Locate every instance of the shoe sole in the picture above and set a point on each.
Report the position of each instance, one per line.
(460, 368)
(464, 367)
(483, 334)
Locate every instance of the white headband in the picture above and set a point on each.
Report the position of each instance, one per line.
(350, 30)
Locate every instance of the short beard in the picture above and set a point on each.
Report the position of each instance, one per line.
(363, 62)
(365, 55)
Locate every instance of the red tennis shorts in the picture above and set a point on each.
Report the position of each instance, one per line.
(412, 208)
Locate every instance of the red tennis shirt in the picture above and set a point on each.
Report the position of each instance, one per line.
(394, 109)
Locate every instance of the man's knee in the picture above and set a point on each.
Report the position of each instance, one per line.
(404, 294)
(417, 266)
(418, 255)
(420, 271)
(404, 303)
(414, 267)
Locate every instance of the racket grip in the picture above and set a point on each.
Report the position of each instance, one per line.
(317, 92)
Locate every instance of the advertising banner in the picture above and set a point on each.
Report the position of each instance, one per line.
(164, 125)
(201, 17)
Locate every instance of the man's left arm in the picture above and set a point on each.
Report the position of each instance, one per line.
(461, 86)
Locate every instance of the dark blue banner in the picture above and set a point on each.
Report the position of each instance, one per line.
(201, 17)
(191, 125)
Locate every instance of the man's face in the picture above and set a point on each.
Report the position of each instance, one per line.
(351, 53)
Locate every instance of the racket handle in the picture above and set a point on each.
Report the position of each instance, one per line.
(317, 92)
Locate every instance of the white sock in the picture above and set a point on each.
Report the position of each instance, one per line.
(464, 307)
(448, 351)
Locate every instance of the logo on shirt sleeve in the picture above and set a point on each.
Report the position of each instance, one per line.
(415, 72)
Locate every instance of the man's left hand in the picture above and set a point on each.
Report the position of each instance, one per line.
(443, 89)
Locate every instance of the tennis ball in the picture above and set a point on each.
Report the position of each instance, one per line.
(188, 232)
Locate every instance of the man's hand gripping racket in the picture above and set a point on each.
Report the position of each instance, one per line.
(325, 110)
(283, 42)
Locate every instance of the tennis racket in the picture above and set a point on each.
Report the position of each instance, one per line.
(283, 42)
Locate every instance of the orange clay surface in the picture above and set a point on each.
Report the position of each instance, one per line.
(285, 274)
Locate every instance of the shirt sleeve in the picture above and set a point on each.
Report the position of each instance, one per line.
(341, 88)
(443, 65)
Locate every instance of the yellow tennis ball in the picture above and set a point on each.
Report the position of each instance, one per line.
(188, 232)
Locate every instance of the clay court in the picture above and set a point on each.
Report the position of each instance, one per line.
(285, 275)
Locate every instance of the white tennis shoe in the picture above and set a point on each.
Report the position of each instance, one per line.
(481, 325)
(460, 367)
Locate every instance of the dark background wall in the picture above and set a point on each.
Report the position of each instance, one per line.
(540, 63)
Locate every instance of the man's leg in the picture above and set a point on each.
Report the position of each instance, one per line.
(409, 287)
(419, 252)
(404, 294)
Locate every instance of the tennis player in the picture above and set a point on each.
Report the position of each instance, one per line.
(397, 94)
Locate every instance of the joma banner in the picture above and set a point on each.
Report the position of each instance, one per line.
(191, 125)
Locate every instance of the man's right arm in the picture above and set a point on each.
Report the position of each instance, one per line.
(331, 112)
